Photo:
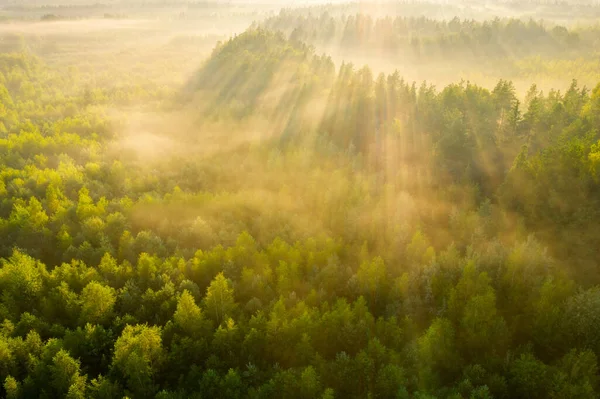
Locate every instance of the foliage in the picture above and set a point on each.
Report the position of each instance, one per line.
(402, 241)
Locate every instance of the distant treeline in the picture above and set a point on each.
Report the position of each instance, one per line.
(428, 39)
(565, 12)
(29, 6)
(54, 17)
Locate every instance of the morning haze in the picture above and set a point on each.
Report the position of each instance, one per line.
(270, 199)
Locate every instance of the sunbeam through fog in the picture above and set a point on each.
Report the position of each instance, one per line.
(373, 199)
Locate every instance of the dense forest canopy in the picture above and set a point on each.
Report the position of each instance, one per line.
(230, 210)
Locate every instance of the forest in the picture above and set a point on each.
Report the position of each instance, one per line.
(524, 51)
(208, 200)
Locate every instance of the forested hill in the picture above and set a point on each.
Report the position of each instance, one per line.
(259, 69)
(381, 238)
(511, 151)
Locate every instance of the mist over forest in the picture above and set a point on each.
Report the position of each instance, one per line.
(272, 199)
